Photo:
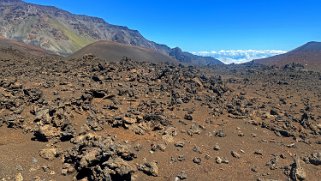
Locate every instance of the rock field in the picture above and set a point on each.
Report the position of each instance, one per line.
(87, 119)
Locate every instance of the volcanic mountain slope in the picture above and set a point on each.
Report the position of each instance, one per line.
(10, 49)
(113, 52)
(64, 33)
(308, 55)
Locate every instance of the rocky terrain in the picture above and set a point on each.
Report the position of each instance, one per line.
(307, 55)
(90, 119)
(65, 33)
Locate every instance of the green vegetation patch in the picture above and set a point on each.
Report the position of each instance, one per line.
(77, 41)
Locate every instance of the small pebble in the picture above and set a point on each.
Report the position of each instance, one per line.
(218, 160)
(258, 152)
(217, 147)
(182, 175)
(197, 160)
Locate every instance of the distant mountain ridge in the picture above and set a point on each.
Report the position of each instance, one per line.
(64, 33)
(308, 55)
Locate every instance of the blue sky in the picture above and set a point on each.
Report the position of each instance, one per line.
(207, 25)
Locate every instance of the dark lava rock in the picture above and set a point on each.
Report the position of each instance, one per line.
(182, 175)
(161, 147)
(197, 160)
(284, 133)
(197, 149)
(121, 168)
(53, 124)
(94, 123)
(180, 144)
(14, 121)
(220, 133)
(217, 147)
(258, 152)
(314, 158)
(188, 117)
(33, 94)
(195, 129)
(99, 158)
(96, 79)
(98, 93)
(181, 158)
(235, 154)
(149, 168)
(274, 112)
(297, 171)
(157, 118)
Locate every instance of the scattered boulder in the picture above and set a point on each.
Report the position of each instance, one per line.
(314, 158)
(297, 171)
(119, 167)
(15, 121)
(96, 157)
(67, 169)
(149, 168)
(47, 132)
(49, 153)
(33, 95)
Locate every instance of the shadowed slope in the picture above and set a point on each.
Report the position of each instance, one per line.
(10, 49)
(112, 51)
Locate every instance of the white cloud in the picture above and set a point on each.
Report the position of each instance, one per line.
(239, 56)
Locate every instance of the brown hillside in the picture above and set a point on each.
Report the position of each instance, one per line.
(308, 55)
(10, 49)
(113, 52)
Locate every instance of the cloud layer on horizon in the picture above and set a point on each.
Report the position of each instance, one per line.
(239, 56)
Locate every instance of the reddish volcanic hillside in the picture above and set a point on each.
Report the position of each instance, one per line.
(13, 49)
(308, 55)
(113, 52)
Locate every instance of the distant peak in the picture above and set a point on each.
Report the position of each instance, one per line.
(312, 46)
(313, 42)
(177, 49)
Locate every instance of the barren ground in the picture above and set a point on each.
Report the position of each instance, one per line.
(91, 120)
